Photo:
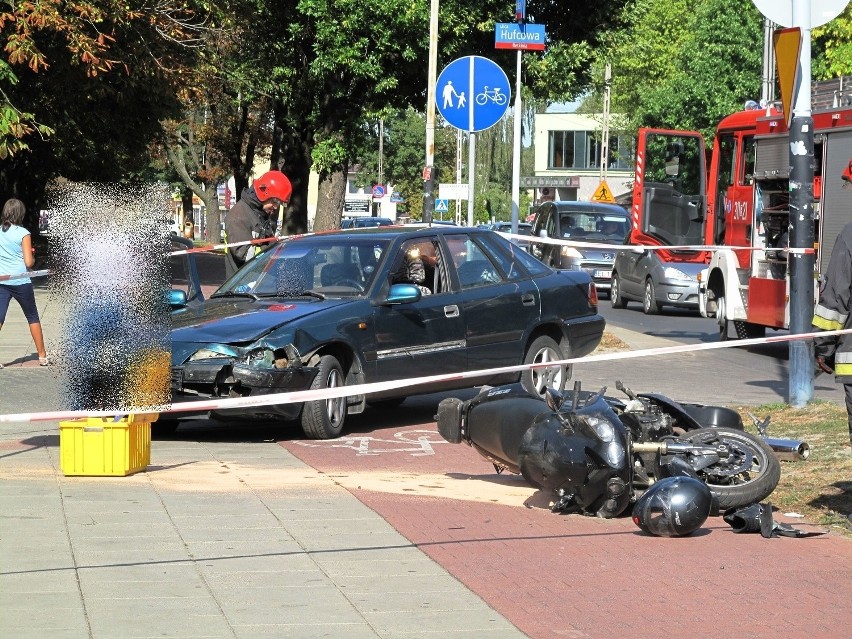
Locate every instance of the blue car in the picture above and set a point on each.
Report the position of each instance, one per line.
(376, 305)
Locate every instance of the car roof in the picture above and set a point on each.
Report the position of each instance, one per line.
(583, 205)
(391, 232)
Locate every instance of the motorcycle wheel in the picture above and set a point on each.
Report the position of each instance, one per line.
(748, 474)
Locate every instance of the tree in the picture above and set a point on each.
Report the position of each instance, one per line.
(832, 47)
(95, 76)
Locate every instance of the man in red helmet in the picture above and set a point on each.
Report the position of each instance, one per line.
(253, 217)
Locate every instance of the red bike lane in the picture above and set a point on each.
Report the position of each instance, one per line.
(573, 576)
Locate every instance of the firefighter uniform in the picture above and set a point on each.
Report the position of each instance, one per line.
(834, 312)
(246, 221)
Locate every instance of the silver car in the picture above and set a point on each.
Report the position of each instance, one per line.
(586, 222)
(646, 276)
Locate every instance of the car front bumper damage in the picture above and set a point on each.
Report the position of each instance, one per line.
(244, 376)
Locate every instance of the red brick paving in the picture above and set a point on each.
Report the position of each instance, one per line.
(571, 576)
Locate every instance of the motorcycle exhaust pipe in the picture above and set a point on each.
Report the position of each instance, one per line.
(788, 449)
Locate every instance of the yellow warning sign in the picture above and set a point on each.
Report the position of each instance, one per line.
(788, 50)
(603, 193)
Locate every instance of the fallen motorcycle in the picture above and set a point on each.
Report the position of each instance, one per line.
(598, 454)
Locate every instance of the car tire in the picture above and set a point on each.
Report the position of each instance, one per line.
(324, 418)
(544, 349)
(649, 299)
(616, 299)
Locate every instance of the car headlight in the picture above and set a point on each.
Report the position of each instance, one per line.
(213, 351)
(570, 251)
(672, 273)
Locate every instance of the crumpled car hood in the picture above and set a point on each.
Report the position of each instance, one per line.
(229, 321)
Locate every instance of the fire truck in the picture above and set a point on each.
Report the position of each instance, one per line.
(748, 206)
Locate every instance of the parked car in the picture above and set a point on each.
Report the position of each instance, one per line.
(364, 222)
(643, 276)
(590, 222)
(524, 228)
(342, 308)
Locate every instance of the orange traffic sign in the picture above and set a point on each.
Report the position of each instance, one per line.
(788, 47)
(603, 193)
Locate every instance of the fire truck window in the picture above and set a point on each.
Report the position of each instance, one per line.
(748, 160)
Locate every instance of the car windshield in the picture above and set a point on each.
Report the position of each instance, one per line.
(594, 226)
(333, 266)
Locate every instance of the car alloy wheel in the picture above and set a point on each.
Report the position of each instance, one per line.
(536, 380)
(324, 418)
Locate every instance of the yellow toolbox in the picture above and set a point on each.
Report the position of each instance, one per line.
(105, 446)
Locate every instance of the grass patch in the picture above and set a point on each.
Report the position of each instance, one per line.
(819, 488)
(609, 343)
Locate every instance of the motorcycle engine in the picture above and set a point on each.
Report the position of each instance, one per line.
(646, 421)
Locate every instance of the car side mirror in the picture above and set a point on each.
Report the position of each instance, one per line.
(403, 294)
(176, 298)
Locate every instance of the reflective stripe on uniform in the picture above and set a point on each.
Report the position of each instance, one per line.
(843, 370)
(828, 319)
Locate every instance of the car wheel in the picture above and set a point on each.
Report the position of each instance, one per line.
(720, 318)
(649, 300)
(324, 418)
(542, 350)
(616, 300)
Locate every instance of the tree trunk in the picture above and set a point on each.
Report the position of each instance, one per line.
(291, 153)
(330, 194)
(212, 216)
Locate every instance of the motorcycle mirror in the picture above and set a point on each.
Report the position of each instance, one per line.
(553, 399)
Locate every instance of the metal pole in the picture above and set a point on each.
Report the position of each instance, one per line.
(605, 141)
(429, 200)
(516, 150)
(471, 170)
(471, 154)
(457, 218)
(801, 383)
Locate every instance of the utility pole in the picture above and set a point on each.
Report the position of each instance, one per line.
(429, 172)
(605, 136)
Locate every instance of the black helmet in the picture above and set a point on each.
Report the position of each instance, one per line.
(673, 507)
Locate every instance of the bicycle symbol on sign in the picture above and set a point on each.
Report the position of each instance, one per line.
(417, 442)
(495, 95)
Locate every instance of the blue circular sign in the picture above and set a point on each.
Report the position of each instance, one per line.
(378, 191)
(472, 93)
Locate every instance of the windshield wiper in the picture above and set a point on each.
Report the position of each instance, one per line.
(233, 294)
(313, 293)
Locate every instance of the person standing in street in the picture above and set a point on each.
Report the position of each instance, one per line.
(16, 257)
(253, 217)
(834, 311)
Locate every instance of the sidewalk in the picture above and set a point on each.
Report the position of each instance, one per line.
(215, 539)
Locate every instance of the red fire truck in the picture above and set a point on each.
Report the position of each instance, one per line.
(748, 205)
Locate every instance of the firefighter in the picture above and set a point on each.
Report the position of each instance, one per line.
(834, 311)
(254, 217)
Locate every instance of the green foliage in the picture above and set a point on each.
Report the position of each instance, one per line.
(831, 47)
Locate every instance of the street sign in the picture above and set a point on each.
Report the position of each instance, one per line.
(603, 193)
(378, 191)
(788, 48)
(396, 197)
(472, 93)
(510, 35)
(442, 206)
(453, 191)
(781, 11)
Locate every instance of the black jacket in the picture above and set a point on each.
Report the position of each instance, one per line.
(834, 310)
(246, 221)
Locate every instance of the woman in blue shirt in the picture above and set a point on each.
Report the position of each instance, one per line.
(16, 256)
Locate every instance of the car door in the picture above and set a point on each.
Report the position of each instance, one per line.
(499, 303)
(544, 225)
(632, 265)
(425, 337)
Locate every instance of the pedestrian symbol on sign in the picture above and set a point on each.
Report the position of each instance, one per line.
(603, 193)
(442, 206)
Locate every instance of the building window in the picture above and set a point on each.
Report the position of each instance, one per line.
(582, 150)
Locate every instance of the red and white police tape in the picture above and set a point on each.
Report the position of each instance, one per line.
(375, 387)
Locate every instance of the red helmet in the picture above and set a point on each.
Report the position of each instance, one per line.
(273, 184)
(847, 174)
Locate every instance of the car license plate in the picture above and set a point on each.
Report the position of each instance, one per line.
(603, 274)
